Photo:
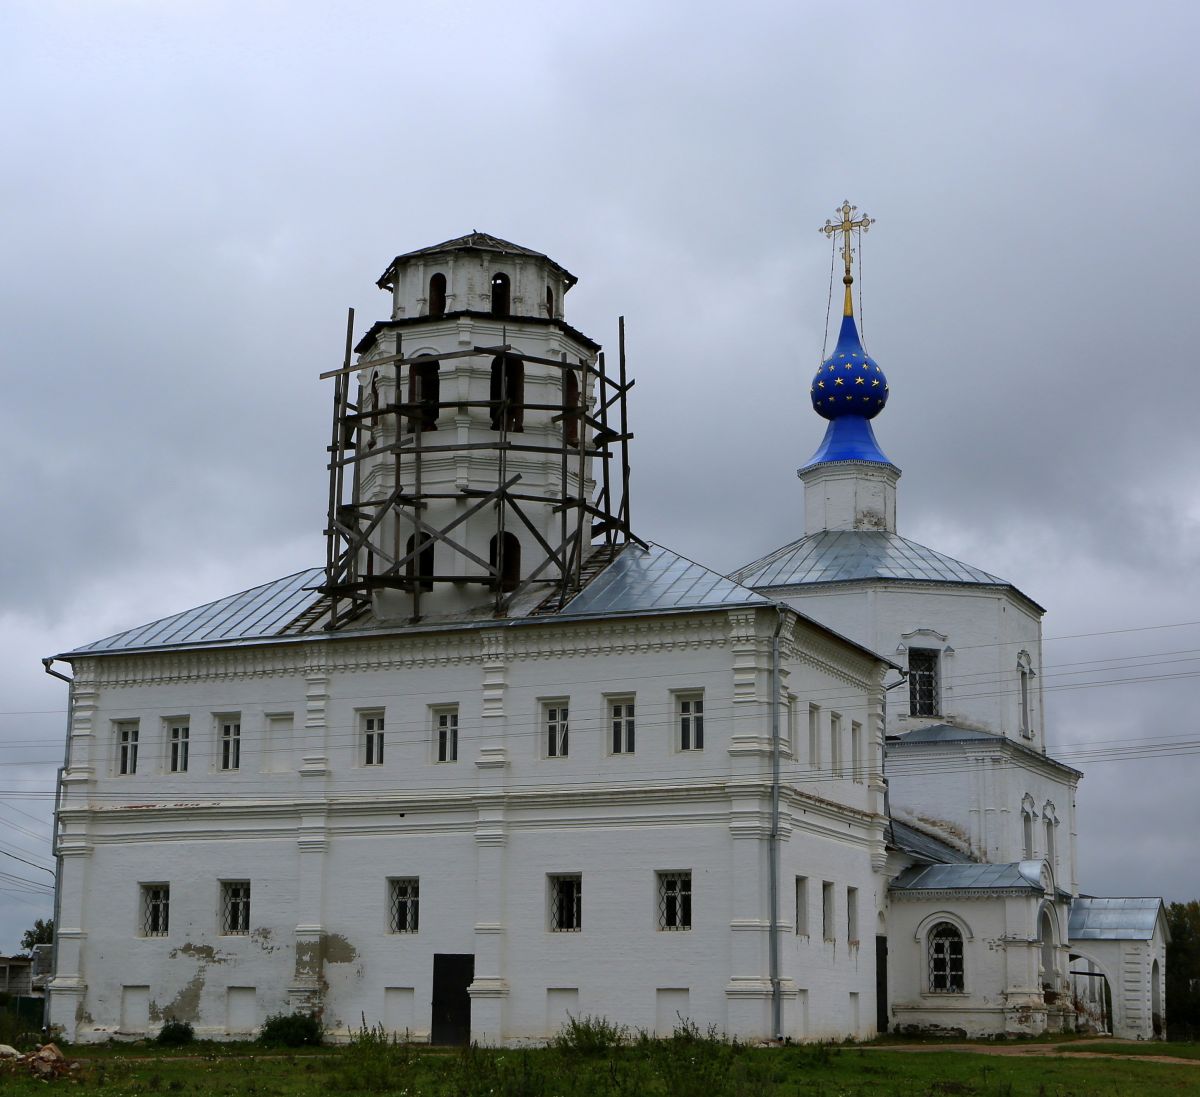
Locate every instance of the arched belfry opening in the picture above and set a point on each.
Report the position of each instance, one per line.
(485, 472)
(501, 296)
(437, 296)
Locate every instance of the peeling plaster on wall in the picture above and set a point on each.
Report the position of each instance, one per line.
(262, 938)
(337, 950)
(206, 954)
(185, 1006)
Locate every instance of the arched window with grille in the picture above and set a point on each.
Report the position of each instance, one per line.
(424, 391)
(437, 296)
(508, 393)
(571, 406)
(550, 302)
(504, 552)
(419, 569)
(945, 947)
(501, 293)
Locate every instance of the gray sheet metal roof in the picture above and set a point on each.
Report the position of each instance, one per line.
(1113, 919)
(1016, 876)
(642, 580)
(256, 613)
(944, 733)
(638, 581)
(840, 556)
(926, 846)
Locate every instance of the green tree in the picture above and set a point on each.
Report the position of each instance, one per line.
(1183, 969)
(42, 933)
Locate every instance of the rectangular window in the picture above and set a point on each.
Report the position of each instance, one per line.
(178, 734)
(801, 906)
(690, 714)
(793, 726)
(856, 750)
(127, 747)
(231, 741)
(156, 909)
(835, 743)
(235, 908)
(445, 733)
(1026, 718)
(827, 910)
(814, 736)
(566, 903)
(555, 716)
(620, 725)
(922, 682)
(372, 738)
(674, 900)
(404, 898)
(852, 915)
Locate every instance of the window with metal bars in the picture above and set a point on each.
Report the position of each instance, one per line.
(690, 714)
(555, 719)
(566, 903)
(621, 724)
(156, 909)
(674, 900)
(180, 735)
(945, 959)
(235, 908)
(923, 682)
(404, 897)
(127, 747)
(372, 738)
(231, 742)
(446, 730)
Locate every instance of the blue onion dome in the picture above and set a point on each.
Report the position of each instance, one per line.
(849, 390)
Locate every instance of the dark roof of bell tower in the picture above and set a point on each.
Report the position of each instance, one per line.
(473, 241)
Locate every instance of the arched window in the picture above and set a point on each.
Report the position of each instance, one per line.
(504, 552)
(424, 389)
(550, 302)
(508, 393)
(1027, 816)
(500, 296)
(419, 569)
(1051, 821)
(372, 404)
(571, 407)
(437, 296)
(946, 959)
(1025, 674)
(1049, 950)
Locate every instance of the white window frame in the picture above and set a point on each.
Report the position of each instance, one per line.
(179, 738)
(835, 744)
(444, 719)
(154, 910)
(404, 904)
(372, 736)
(947, 957)
(622, 721)
(125, 736)
(555, 727)
(674, 900)
(564, 898)
(814, 736)
(856, 752)
(689, 720)
(235, 908)
(229, 742)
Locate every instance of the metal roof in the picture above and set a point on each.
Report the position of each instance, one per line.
(840, 556)
(639, 580)
(475, 241)
(654, 578)
(944, 733)
(1113, 919)
(256, 613)
(919, 844)
(1020, 875)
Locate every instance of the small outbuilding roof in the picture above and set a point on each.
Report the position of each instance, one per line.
(908, 839)
(1132, 919)
(1017, 876)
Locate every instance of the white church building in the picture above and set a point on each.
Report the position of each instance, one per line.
(499, 760)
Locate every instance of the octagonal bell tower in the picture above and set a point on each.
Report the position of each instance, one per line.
(461, 478)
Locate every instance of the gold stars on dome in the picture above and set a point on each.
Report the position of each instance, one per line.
(860, 380)
(837, 381)
(821, 384)
(875, 383)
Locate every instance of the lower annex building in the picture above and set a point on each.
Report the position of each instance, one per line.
(500, 761)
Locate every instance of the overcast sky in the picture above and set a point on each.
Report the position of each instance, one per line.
(193, 192)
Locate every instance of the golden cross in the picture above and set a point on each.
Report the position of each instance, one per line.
(846, 227)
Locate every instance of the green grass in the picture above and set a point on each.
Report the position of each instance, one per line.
(688, 1065)
(1177, 1050)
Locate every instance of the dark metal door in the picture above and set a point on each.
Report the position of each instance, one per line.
(452, 974)
(881, 991)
